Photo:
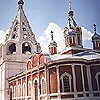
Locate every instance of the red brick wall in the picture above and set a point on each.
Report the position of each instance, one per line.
(53, 80)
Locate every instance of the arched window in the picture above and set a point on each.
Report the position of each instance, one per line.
(98, 80)
(36, 89)
(26, 48)
(66, 82)
(43, 86)
(29, 89)
(11, 49)
(24, 90)
(19, 90)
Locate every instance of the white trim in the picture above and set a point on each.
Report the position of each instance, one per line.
(74, 80)
(43, 79)
(83, 82)
(24, 90)
(66, 74)
(89, 80)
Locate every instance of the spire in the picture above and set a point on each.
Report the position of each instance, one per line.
(95, 29)
(71, 20)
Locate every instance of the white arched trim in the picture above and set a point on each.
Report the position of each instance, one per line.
(43, 89)
(24, 90)
(15, 91)
(97, 80)
(33, 89)
(69, 76)
(19, 90)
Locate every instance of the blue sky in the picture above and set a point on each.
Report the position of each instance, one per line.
(41, 12)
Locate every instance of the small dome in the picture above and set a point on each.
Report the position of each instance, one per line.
(53, 43)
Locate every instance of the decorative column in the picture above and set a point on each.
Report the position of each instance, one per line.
(58, 82)
(74, 81)
(83, 81)
(89, 81)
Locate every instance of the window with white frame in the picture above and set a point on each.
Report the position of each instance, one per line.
(24, 90)
(66, 82)
(43, 86)
(19, 90)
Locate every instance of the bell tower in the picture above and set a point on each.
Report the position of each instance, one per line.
(21, 40)
(20, 44)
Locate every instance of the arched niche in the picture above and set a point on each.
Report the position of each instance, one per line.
(11, 48)
(26, 48)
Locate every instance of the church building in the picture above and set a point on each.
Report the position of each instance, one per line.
(26, 73)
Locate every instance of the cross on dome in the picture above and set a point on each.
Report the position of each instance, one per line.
(20, 2)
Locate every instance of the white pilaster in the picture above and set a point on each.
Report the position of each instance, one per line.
(89, 80)
(74, 80)
(83, 80)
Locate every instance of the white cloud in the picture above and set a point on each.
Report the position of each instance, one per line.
(2, 36)
(44, 40)
(87, 35)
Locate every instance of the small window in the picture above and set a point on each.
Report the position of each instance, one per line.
(15, 29)
(23, 23)
(43, 86)
(24, 29)
(14, 36)
(12, 49)
(26, 48)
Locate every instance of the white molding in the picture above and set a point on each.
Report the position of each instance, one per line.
(68, 75)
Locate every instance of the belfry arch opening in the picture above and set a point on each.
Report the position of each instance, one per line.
(26, 48)
(11, 48)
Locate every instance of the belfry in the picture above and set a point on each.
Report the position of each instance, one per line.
(19, 46)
